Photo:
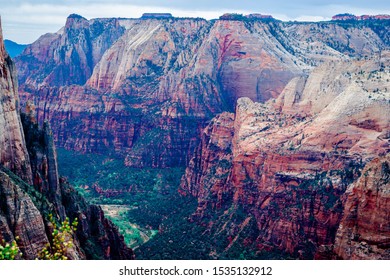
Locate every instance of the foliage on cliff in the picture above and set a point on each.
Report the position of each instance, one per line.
(9, 251)
(62, 240)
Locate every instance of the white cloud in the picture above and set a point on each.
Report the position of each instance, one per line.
(311, 18)
(331, 10)
(26, 22)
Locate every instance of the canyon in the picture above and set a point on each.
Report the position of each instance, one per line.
(283, 128)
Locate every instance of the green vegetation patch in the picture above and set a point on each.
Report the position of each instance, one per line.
(132, 198)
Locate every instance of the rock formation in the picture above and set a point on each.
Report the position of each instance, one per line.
(364, 231)
(13, 153)
(68, 56)
(19, 217)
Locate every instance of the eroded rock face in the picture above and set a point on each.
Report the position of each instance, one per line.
(68, 56)
(208, 171)
(13, 153)
(19, 217)
(293, 158)
(364, 232)
(142, 78)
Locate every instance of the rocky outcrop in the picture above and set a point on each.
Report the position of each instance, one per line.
(362, 17)
(19, 217)
(68, 56)
(364, 231)
(292, 159)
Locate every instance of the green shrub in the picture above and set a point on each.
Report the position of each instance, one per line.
(9, 251)
(61, 242)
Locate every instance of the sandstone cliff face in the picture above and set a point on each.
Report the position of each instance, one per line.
(19, 217)
(13, 153)
(243, 60)
(142, 78)
(365, 228)
(68, 56)
(213, 157)
(291, 159)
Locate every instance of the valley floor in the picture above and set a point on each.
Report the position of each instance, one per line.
(153, 218)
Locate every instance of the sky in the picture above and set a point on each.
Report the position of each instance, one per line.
(24, 21)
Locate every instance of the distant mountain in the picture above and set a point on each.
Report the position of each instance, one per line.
(14, 49)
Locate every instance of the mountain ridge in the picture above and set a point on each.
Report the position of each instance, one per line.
(14, 49)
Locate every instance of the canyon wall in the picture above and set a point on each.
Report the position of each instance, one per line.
(364, 230)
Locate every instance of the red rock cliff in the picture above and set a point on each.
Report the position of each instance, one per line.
(364, 231)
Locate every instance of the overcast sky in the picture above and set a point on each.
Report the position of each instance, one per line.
(25, 20)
